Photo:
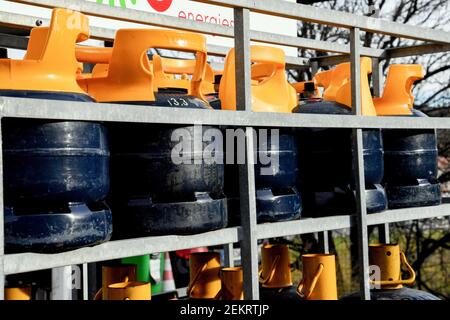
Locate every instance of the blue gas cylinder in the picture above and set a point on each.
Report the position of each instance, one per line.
(159, 195)
(411, 167)
(327, 170)
(56, 178)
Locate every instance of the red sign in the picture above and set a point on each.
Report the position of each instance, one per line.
(160, 5)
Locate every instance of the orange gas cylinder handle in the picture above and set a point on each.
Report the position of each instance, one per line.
(36, 43)
(323, 79)
(397, 98)
(262, 71)
(130, 74)
(50, 63)
(268, 55)
(271, 91)
(163, 68)
(344, 93)
(182, 66)
(334, 80)
(93, 54)
(173, 66)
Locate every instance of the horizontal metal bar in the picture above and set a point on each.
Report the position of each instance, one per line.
(309, 225)
(222, 51)
(26, 22)
(390, 53)
(26, 262)
(87, 111)
(416, 50)
(336, 18)
(408, 214)
(19, 21)
(305, 43)
(13, 42)
(324, 61)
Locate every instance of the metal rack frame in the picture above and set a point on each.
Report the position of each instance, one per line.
(249, 231)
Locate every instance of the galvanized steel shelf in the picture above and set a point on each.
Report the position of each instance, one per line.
(249, 232)
(311, 225)
(68, 110)
(26, 262)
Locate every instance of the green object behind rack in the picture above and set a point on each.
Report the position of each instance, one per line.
(143, 270)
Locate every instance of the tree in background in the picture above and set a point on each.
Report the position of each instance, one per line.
(434, 89)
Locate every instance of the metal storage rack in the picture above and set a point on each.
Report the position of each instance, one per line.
(249, 231)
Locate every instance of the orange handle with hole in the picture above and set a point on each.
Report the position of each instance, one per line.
(344, 93)
(130, 74)
(333, 80)
(397, 98)
(300, 88)
(50, 63)
(323, 79)
(164, 70)
(271, 91)
(93, 54)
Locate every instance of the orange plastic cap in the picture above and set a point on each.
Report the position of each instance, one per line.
(344, 93)
(323, 78)
(50, 63)
(300, 88)
(271, 91)
(397, 96)
(334, 80)
(165, 70)
(93, 54)
(130, 74)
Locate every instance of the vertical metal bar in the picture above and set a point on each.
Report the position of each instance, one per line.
(85, 282)
(324, 241)
(94, 281)
(355, 59)
(358, 159)
(377, 75)
(228, 255)
(62, 283)
(384, 235)
(314, 67)
(2, 279)
(2, 238)
(248, 242)
(243, 59)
